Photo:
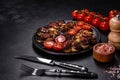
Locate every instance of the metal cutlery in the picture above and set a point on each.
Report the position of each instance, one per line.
(54, 63)
(40, 72)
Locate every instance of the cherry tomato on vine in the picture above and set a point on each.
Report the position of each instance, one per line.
(104, 26)
(106, 19)
(99, 15)
(113, 13)
(60, 38)
(74, 14)
(48, 44)
(85, 10)
(80, 16)
(88, 18)
(92, 13)
(96, 22)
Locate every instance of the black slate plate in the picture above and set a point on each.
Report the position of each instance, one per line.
(41, 47)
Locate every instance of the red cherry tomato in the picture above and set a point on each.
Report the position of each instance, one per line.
(113, 13)
(74, 14)
(92, 13)
(72, 32)
(99, 16)
(88, 18)
(58, 46)
(87, 27)
(85, 10)
(96, 22)
(60, 38)
(104, 26)
(80, 16)
(48, 44)
(106, 19)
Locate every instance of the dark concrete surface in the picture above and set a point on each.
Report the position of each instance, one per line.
(19, 20)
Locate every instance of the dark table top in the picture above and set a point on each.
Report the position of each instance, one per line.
(19, 20)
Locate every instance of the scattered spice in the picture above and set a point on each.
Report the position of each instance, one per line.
(114, 71)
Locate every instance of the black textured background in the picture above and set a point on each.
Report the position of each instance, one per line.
(19, 19)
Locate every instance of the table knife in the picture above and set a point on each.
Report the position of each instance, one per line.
(53, 63)
(39, 72)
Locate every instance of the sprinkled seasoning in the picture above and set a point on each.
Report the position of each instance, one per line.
(114, 71)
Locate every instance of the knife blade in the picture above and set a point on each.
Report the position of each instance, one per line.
(39, 72)
(53, 63)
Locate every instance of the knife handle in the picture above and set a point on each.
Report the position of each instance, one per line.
(71, 66)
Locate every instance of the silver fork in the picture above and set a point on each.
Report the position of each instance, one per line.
(39, 72)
